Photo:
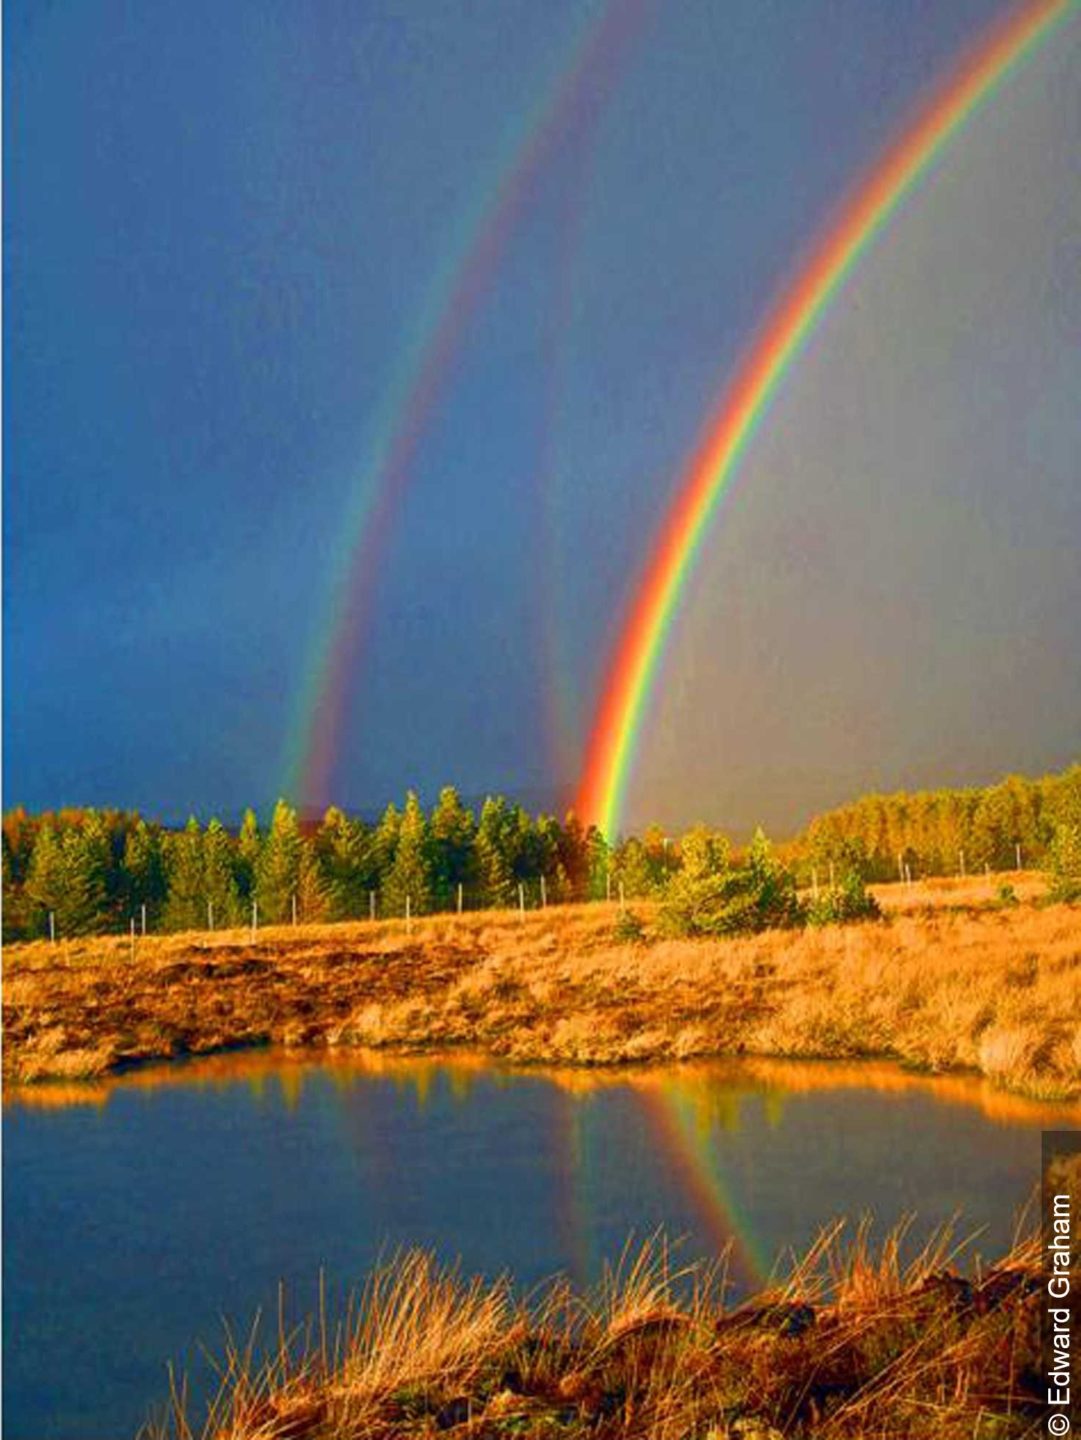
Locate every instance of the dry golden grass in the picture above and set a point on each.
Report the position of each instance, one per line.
(852, 1343)
(951, 983)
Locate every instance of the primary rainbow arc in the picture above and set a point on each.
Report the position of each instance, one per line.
(618, 721)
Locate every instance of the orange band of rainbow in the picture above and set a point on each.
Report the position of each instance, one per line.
(618, 722)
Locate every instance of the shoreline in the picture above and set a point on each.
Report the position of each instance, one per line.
(937, 987)
(746, 1075)
(851, 1339)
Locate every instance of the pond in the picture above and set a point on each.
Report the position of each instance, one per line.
(140, 1213)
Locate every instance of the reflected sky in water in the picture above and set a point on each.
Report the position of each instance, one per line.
(139, 1213)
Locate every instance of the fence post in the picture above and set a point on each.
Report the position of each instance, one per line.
(209, 915)
(133, 937)
(459, 897)
(408, 914)
(371, 904)
(52, 927)
(544, 894)
(254, 917)
(521, 900)
(143, 908)
(294, 908)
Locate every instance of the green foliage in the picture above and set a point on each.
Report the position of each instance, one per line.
(249, 844)
(345, 862)
(573, 857)
(186, 906)
(598, 860)
(385, 842)
(68, 877)
(410, 876)
(222, 896)
(1064, 863)
(710, 896)
(494, 874)
(94, 869)
(633, 870)
(145, 874)
(844, 903)
(929, 829)
(277, 870)
(453, 863)
(629, 928)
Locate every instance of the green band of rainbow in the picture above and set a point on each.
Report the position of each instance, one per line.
(618, 721)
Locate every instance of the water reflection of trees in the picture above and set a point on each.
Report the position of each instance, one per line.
(714, 1092)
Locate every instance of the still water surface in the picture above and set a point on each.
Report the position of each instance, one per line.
(137, 1215)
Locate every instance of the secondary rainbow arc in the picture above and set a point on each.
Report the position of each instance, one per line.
(602, 42)
(618, 720)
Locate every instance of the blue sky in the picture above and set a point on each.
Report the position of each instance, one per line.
(221, 224)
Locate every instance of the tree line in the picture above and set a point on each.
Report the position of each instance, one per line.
(942, 832)
(95, 870)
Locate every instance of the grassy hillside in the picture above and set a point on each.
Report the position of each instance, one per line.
(950, 978)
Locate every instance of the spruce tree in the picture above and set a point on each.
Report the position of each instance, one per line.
(277, 874)
(312, 898)
(452, 833)
(344, 862)
(248, 847)
(411, 874)
(46, 881)
(185, 908)
(145, 879)
(493, 865)
(220, 891)
(385, 843)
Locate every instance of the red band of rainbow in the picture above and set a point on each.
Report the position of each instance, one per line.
(624, 700)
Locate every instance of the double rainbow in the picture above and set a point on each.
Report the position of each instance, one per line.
(632, 674)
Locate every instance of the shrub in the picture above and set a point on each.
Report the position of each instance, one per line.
(841, 904)
(630, 929)
(725, 900)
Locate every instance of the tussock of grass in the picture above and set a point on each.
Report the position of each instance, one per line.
(945, 982)
(853, 1342)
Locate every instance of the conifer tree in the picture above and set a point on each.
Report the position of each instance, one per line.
(277, 873)
(599, 860)
(452, 830)
(574, 857)
(344, 861)
(46, 882)
(220, 891)
(87, 862)
(14, 912)
(311, 894)
(411, 874)
(248, 847)
(551, 865)
(385, 843)
(185, 909)
(493, 867)
(145, 879)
